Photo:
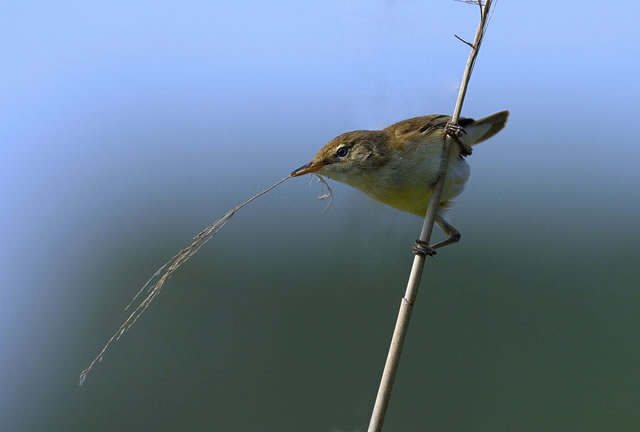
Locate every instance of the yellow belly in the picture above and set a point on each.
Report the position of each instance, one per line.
(412, 193)
(410, 199)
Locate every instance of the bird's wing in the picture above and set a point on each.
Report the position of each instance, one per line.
(417, 130)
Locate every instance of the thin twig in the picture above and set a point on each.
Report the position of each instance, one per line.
(406, 305)
(463, 41)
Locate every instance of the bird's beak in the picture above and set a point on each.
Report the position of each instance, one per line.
(311, 167)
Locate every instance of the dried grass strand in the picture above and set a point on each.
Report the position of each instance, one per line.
(154, 288)
(328, 195)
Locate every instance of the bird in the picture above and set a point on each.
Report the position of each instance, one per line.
(400, 165)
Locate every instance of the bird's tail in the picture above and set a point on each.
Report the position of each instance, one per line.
(484, 128)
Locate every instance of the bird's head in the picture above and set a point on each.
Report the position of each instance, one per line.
(348, 155)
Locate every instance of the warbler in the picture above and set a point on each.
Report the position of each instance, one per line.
(400, 165)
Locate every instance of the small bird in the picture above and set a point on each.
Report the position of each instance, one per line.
(400, 165)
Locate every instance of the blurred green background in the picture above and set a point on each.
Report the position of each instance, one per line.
(126, 127)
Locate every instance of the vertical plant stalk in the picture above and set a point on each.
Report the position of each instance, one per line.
(406, 305)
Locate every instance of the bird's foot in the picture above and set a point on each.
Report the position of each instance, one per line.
(454, 130)
(422, 248)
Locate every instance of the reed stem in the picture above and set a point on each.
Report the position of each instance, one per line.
(406, 305)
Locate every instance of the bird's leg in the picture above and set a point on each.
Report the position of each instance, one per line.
(450, 230)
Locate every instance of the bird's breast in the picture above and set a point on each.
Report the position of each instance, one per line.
(405, 182)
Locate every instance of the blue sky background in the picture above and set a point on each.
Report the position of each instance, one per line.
(126, 127)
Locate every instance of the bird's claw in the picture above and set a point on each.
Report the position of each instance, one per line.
(422, 248)
(454, 130)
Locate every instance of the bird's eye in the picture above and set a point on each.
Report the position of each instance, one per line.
(342, 151)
